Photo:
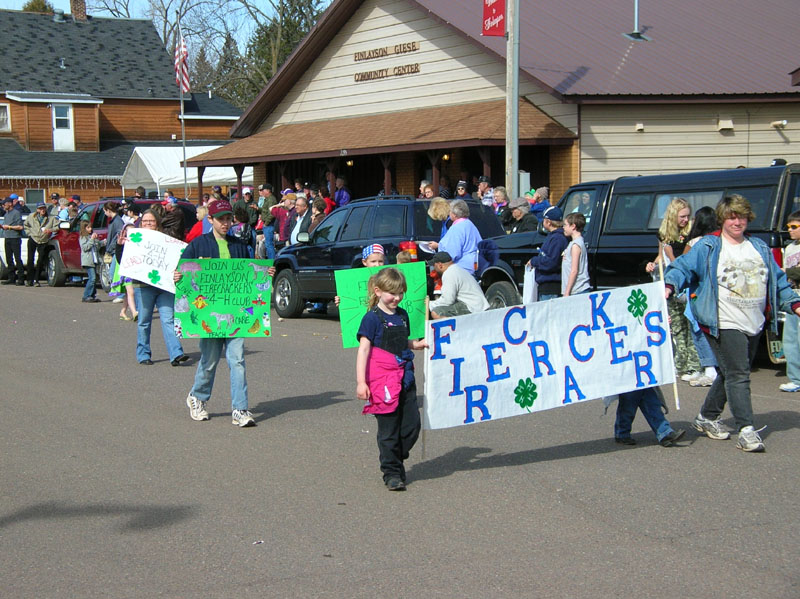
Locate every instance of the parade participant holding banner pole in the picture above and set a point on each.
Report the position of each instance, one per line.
(385, 374)
(217, 244)
(736, 288)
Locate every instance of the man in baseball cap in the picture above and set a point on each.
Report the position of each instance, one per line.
(461, 293)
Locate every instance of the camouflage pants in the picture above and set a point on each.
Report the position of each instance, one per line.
(686, 359)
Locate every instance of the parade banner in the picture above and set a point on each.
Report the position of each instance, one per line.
(151, 257)
(522, 359)
(223, 298)
(351, 287)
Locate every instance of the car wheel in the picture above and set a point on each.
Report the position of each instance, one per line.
(288, 303)
(56, 277)
(501, 295)
(104, 276)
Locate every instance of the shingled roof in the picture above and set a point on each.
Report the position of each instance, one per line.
(107, 58)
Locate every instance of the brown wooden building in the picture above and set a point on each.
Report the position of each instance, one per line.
(79, 93)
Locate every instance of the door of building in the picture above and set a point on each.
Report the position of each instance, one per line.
(63, 130)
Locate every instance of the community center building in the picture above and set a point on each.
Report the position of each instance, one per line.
(388, 92)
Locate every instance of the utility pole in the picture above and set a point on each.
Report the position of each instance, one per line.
(512, 98)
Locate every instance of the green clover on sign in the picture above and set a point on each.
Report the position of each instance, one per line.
(525, 393)
(637, 304)
(135, 237)
(154, 276)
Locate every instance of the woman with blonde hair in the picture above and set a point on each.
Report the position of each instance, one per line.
(673, 234)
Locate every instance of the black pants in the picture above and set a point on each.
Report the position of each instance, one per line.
(16, 269)
(35, 274)
(397, 433)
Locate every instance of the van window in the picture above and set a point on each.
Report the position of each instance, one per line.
(354, 229)
(695, 199)
(630, 212)
(583, 201)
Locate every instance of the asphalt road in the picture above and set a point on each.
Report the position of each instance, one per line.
(108, 489)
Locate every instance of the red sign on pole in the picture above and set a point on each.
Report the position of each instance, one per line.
(494, 17)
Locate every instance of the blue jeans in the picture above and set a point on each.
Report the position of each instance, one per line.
(735, 353)
(647, 401)
(210, 352)
(147, 298)
(269, 241)
(89, 291)
(791, 349)
(543, 297)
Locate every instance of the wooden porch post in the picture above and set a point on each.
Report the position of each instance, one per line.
(485, 155)
(200, 171)
(239, 169)
(386, 160)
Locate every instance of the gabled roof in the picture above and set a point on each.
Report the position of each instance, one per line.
(200, 104)
(106, 58)
(478, 123)
(576, 50)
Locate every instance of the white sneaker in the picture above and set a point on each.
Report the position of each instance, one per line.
(703, 381)
(712, 428)
(197, 408)
(242, 418)
(117, 300)
(690, 376)
(749, 439)
(789, 387)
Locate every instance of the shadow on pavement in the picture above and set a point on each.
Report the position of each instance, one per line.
(141, 517)
(276, 407)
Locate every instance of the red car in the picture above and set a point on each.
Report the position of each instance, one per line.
(64, 250)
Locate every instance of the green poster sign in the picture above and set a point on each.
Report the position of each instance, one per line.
(223, 298)
(351, 287)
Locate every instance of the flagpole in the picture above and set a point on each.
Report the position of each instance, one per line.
(183, 124)
(512, 98)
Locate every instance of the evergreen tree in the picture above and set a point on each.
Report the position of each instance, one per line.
(37, 6)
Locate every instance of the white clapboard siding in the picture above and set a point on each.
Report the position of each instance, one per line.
(452, 71)
(684, 137)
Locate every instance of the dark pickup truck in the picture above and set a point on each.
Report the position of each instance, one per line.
(622, 220)
(623, 216)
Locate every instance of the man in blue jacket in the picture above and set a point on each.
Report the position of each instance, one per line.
(548, 262)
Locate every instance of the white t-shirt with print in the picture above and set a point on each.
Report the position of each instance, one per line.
(742, 280)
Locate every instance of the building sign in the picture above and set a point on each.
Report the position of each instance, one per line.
(494, 17)
(375, 53)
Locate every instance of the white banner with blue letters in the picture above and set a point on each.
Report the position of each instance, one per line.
(523, 359)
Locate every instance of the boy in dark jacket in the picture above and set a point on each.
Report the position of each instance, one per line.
(548, 262)
(218, 244)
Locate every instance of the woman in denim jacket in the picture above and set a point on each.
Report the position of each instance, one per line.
(736, 288)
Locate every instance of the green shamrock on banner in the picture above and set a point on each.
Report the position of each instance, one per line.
(525, 393)
(153, 275)
(637, 304)
(135, 237)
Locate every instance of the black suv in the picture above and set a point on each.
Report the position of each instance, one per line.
(305, 271)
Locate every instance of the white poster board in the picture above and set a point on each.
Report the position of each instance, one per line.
(151, 257)
(550, 354)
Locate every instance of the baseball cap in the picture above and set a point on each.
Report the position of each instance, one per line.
(41, 205)
(219, 207)
(461, 184)
(265, 187)
(553, 213)
(13, 197)
(440, 258)
(54, 196)
(484, 179)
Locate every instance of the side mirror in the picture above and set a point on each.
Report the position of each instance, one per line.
(302, 237)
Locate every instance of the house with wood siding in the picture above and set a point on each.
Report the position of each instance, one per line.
(388, 92)
(79, 93)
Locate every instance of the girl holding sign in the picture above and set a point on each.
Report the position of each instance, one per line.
(385, 374)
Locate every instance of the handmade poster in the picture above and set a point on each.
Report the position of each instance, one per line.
(223, 298)
(550, 354)
(151, 257)
(351, 287)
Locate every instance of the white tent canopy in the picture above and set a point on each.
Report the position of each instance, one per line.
(160, 167)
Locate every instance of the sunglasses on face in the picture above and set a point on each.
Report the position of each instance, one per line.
(792, 227)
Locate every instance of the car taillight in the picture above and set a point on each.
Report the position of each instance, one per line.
(778, 255)
(411, 248)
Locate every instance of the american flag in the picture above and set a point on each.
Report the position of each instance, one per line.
(181, 66)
